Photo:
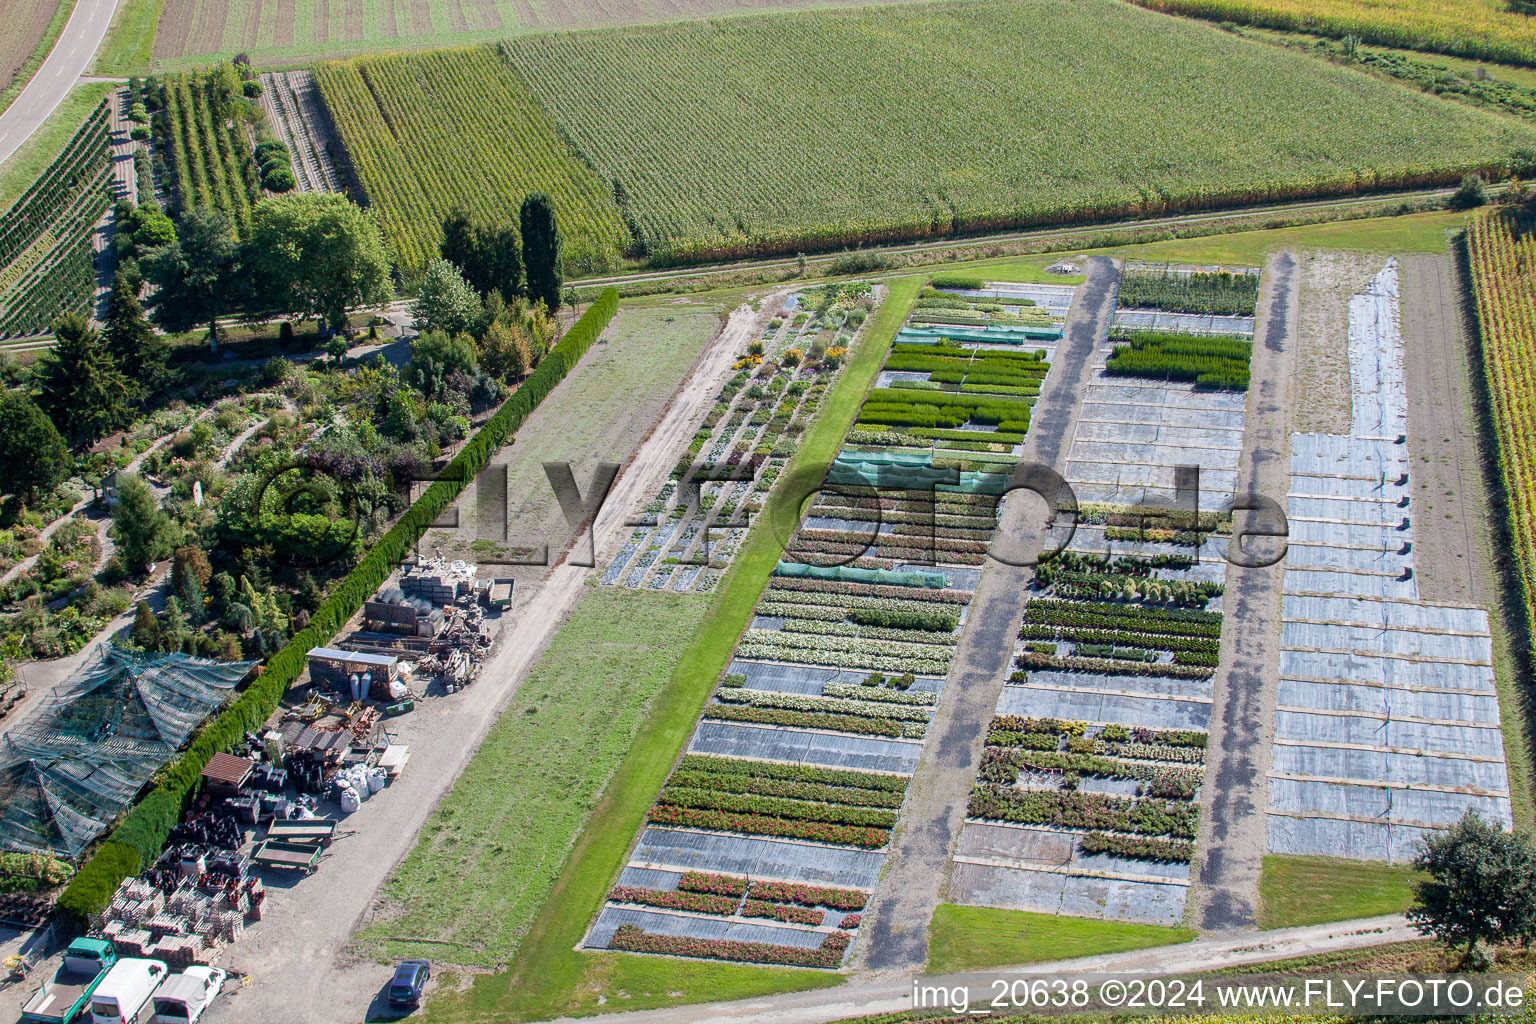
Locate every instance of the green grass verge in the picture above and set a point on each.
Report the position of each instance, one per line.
(549, 978)
(130, 44)
(39, 53)
(22, 169)
(971, 938)
(1315, 890)
(492, 849)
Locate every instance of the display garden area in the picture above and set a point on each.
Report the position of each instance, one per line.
(704, 179)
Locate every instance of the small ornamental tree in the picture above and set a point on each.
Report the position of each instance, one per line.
(142, 531)
(447, 303)
(1482, 886)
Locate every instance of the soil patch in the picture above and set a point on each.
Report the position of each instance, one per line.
(1321, 393)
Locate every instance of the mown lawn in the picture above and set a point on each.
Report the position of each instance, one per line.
(971, 938)
(489, 854)
(549, 978)
(1315, 890)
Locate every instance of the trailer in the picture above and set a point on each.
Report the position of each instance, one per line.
(305, 831)
(499, 593)
(274, 853)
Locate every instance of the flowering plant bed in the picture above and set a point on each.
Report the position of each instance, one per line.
(758, 824)
(809, 895)
(634, 939)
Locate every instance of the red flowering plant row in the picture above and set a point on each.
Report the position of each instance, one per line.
(719, 885)
(698, 902)
(634, 939)
(781, 912)
(809, 895)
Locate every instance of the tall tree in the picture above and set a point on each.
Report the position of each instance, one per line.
(446, 301)
(197, 274)
(142, 531)
(82, 389)
(130, 337)
(459, 239)
(316, 254)
(499, 261)
(1481, 887)
(541, 251)
(490, 257)
(33, 455)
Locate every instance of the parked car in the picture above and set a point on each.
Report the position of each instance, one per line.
(126, 990)
(409, 981)
(63, 997)
(184, 997)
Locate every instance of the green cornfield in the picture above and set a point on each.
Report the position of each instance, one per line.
(430, 131)
(1490, 29)
(828, 129)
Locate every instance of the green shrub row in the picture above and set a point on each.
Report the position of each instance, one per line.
(847, 777)
(139, 838)
(1219, 292)
(934, 621)
(1211, 362)
(1096, 811)
(777, 807)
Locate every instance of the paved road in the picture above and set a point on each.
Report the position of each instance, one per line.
(66, 62)
(912, 883)
(892, 993)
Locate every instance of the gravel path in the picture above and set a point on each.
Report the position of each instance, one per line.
(893, 994)
(1235, 796)
(896, 933)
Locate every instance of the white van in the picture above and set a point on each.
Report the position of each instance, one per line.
(184, 997)
(123, 993)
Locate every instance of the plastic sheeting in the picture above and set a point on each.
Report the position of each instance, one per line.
(1108, 708)
(762, 859)
(1189, 323)
(700, 927)
(832, 750)
(1378, 692)
(1112, 899)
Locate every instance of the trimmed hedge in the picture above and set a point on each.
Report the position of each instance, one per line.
(145, 830)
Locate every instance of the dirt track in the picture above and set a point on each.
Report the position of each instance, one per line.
(1235, 795)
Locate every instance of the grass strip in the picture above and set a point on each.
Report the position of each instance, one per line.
(27, 164)
(1315, 890)
(972, 938)
(130, 44)
(549, 978)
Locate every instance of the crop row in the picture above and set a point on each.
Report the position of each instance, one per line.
(893, 711)
(1119, 638)
(1209, 362)
(1097, 615)
(676, 795)
(1093, 811)
(813, 720)
(768, 825)
(634, 939)
(1037, 661)
(846, 777)
(933, 661)
(204, 142)
(1220, 292)
(785, 584)
(732, 783)
(1501, 253)
(75, 170)
(1170, 851)
(1001, 766)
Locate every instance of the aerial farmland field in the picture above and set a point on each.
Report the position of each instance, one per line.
(829, 129)
(750, 512)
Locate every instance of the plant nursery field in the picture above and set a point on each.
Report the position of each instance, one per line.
(826, 129)
(1491, 29)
